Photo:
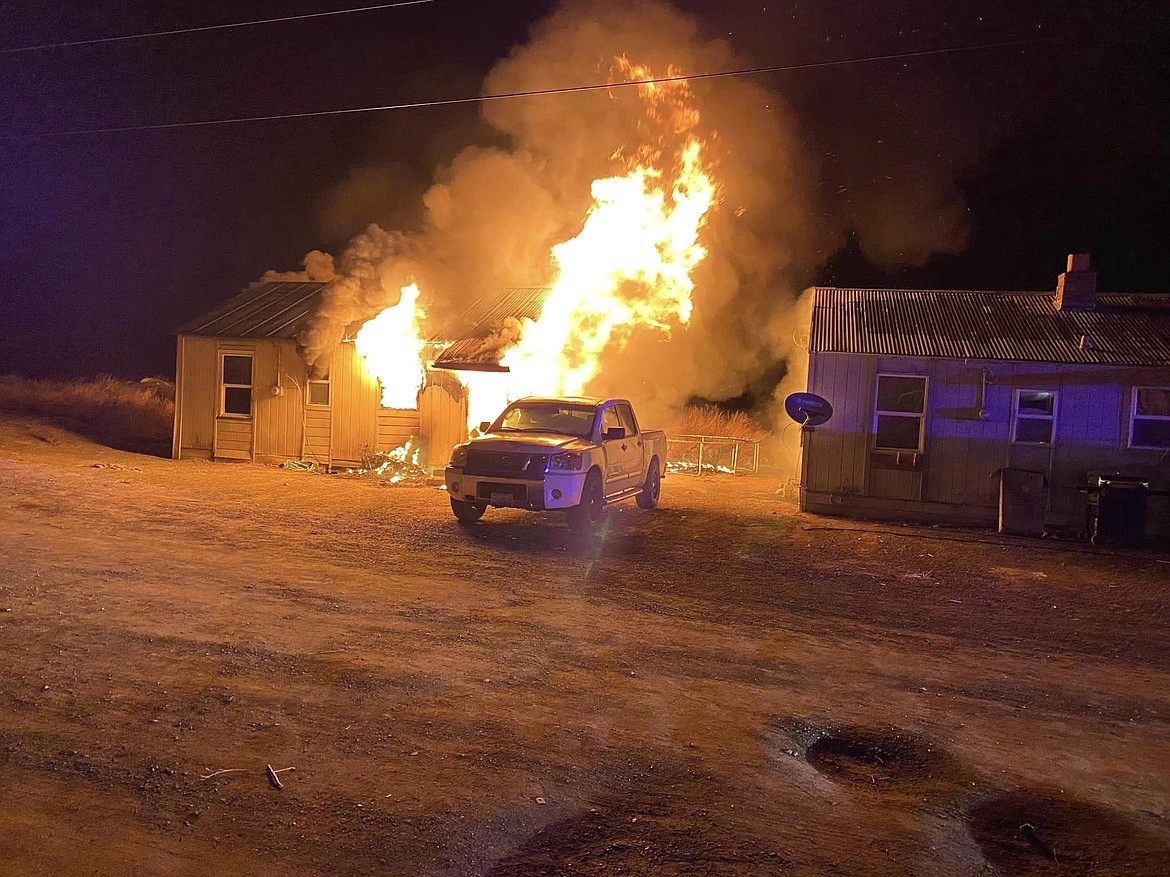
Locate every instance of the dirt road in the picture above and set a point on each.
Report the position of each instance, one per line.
(722, 686)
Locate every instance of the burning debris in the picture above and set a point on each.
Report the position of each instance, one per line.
(399, 467)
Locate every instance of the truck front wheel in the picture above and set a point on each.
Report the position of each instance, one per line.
(652, 489)
(467, 512)
(587, 516)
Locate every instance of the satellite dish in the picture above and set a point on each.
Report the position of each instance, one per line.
(808, 409)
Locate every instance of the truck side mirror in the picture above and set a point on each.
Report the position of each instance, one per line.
(485, 426)
(615, 433)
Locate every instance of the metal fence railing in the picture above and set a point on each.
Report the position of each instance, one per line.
(711, 454)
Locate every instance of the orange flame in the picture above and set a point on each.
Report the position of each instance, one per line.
(629, 267)
(393, 347)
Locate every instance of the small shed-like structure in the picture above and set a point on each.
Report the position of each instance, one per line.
(1016, 408)
(242, 391)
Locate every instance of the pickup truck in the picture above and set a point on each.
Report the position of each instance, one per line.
(576, 454)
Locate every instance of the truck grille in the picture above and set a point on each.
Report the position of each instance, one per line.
(505, 464)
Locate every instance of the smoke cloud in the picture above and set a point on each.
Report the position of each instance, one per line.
(492, 214)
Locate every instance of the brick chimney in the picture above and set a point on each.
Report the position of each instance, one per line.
(1076, 290)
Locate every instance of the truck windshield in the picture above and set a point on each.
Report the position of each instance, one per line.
(576, 420)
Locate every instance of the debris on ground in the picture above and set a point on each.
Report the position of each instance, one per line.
(300, 465)
(399, 467)
(273, 775)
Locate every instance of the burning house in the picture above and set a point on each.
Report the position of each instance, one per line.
(354, 356)
(244, 390)
(1042, 412)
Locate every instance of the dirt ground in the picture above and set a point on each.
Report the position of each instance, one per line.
(722, 686)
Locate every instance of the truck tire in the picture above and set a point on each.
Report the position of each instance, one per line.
(652, 489)
(467, 512)
(586, 517)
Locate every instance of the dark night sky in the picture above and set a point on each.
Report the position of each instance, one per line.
(109, 241)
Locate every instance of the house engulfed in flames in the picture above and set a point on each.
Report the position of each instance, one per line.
(243, 391)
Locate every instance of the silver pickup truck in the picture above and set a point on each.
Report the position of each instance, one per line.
(575, 454)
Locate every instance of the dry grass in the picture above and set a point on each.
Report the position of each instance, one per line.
(709, 420)
(129, 415)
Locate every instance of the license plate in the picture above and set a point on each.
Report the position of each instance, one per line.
(502, 498)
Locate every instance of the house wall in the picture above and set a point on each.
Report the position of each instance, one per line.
(317, 438)
(356, 397)
(196, 397)
(282, 425)
(279, 379)
(956, 477)
(396, 426)
(443, 421)
(200, 430)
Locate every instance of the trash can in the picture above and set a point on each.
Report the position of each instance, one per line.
(1117, 511)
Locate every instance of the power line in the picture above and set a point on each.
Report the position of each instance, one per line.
(484, 98)
(207, 27)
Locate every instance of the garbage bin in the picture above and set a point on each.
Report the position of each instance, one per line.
(1117, 510)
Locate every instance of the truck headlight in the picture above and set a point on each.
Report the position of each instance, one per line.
(459, 455)
(567, 461)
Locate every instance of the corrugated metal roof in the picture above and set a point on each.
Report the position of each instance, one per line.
(488, 312)
(475, 327)
(471, 354)
(267, 310)
(952, 324)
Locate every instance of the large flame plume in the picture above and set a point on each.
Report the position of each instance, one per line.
(793, 178)
(629, 267)
(392, 345)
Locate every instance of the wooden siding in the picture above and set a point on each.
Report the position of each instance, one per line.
(354, 396)
(969, 414)
(835, 454)
(233, 438)
(964, 453)
(316, 440)
(197, 402)
(396, 426)
(443, 423)
(278, 417)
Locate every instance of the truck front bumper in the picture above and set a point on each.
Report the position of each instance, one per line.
(558, 490)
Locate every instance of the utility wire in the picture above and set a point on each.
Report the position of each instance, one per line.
(183, 30)
(512, 95)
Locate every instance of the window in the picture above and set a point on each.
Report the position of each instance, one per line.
(626, 415)
(1035, 416)
(547, 417)
(610, 420)
(1150, 424)
(899, 412)
(236, 393)
(319, 391)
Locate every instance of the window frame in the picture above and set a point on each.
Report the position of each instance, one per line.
(1134, 417)
(224, 385)
(1049, 418)
(920, 416)
(328, 382)
(626, 415)
(608, 411)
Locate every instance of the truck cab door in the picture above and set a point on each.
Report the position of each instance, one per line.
(623, 448)
(613, 440)
(633, 448)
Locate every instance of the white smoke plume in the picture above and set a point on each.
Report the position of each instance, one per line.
(316, 266)
(364, 284)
